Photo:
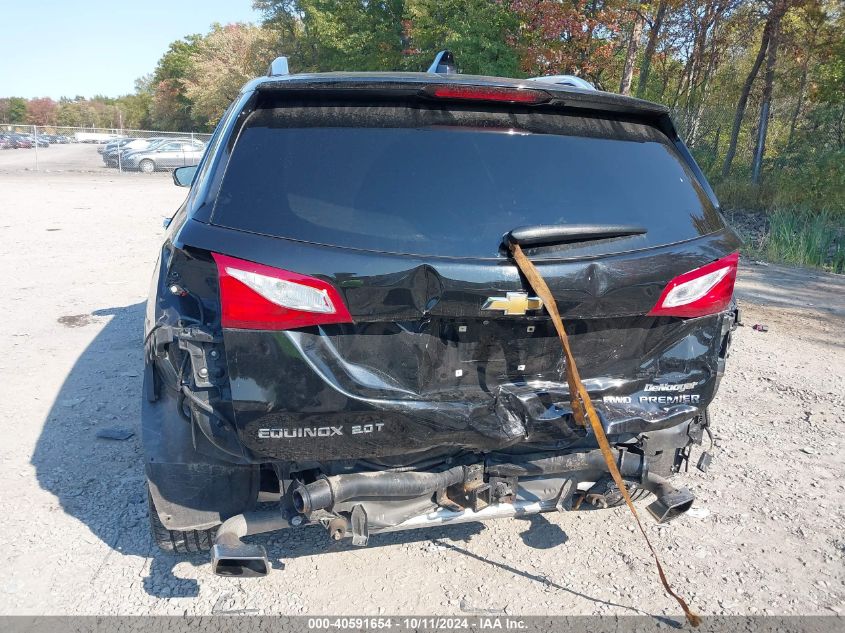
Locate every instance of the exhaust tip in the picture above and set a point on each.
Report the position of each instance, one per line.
(243, 560)
(671, 505)
(300, 500)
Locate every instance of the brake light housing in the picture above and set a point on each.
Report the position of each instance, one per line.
(260, 297)
(487, 93)
(699, 292)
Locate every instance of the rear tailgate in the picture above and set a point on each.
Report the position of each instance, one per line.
(401, 208)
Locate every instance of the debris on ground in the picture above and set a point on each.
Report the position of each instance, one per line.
(697, 512)
(75, 320)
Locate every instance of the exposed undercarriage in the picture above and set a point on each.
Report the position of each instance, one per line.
(369, 502)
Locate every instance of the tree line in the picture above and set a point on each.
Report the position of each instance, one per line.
(743, 78)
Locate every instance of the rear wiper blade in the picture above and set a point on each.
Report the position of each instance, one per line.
(546, 234)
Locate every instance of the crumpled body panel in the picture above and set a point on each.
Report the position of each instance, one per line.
(442, 386)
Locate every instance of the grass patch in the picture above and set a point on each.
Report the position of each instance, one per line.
(804, 238)
(812, 181)
(741, 194)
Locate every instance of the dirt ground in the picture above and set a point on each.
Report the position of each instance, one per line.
(77, 250)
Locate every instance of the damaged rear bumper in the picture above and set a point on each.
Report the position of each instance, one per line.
(327, 396)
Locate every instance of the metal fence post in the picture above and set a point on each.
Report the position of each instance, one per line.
(35, 140)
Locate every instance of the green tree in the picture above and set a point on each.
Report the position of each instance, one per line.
(223, 61)
(169, 104)
(479, 32)
(135, 110)
(284, 18)
(830, 84)
(12, 110)
(137, 107)
(325, 35)
(352, 34)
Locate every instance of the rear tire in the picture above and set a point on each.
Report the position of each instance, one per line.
(178, 541)
(147, 166)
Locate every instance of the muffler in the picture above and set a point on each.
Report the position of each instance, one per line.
(230, 556)
(671, 502)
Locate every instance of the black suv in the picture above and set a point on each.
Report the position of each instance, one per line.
(337, 336)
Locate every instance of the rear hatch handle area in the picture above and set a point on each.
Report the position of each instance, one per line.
(545, 234)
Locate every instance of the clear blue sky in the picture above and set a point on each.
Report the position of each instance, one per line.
(55, 48)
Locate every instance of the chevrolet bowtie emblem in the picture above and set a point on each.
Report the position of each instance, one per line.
(513, 303)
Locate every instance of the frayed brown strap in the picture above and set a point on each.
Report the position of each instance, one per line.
(582, 404)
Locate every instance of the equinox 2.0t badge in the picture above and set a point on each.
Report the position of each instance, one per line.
(513, 303)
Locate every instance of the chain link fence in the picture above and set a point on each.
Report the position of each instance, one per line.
(58, 148)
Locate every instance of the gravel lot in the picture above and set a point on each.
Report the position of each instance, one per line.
(77, 251)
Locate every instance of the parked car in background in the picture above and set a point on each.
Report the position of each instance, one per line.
(61, 139)
(166, 155)
(54, 139)
(112, 147)
(112, 143)
(94, 137)
(112, 157)
(8, 141)
(23, 141)
(26, 140)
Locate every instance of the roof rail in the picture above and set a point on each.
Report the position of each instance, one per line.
(443, 64)
(566, 80)
(278, 66)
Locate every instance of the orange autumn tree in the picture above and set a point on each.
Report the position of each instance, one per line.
(576, 37)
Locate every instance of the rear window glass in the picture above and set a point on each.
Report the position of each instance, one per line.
(452, 182)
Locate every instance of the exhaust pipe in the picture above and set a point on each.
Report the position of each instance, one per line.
(671, 502)
(230, 556)
(328, 491)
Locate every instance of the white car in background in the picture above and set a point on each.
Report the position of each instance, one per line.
(164, 155)
(94, 137)
(114, 153)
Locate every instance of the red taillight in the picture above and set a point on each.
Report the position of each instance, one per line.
(258, 297)
(705, 290)
(489, 93)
